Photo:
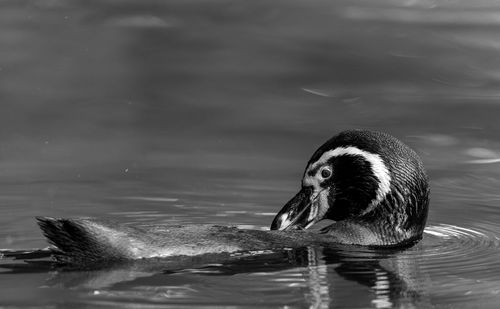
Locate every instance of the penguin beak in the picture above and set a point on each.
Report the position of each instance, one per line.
(296, 214)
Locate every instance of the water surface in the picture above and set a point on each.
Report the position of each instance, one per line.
(207, 111)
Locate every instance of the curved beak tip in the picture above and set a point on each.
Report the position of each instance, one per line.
(295, 214)
(275, 225)
(281, 222)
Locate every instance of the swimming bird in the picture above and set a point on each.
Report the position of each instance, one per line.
(372, 186)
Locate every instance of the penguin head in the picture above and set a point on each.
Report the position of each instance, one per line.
(360, 176)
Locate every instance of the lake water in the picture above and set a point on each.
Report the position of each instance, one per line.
(207, 112)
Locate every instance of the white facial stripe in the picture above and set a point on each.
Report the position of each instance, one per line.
(377, 165)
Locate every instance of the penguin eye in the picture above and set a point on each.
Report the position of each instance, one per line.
(326, 172)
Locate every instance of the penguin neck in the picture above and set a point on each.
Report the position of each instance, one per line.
(380, 232)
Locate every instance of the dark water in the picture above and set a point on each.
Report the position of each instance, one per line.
(207, 111)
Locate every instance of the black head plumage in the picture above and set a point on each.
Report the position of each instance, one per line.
(374, 181)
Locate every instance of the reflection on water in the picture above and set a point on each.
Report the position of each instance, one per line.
(449, 263)
(205, 112)
(389, 277)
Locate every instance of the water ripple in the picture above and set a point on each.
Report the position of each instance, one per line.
(467, 250)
